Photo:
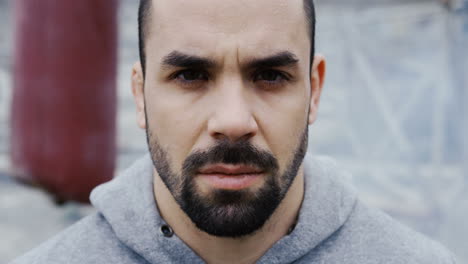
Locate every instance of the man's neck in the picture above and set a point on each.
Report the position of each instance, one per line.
(248, 249)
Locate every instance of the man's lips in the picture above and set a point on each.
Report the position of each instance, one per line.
(229, 169)
(230, 177)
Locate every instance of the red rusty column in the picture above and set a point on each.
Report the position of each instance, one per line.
(63, 115)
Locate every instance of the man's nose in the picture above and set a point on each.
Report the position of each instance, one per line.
(232, 118)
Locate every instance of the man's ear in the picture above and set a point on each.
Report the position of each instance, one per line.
(317, 79)
(138, 84)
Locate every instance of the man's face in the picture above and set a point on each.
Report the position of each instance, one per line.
(227, 99)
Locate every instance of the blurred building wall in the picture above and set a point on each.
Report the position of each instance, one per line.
(394, 108)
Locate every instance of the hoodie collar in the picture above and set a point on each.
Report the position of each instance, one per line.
(328, 202)
(127, 203)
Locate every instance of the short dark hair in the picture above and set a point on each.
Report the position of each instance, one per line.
(144, 13)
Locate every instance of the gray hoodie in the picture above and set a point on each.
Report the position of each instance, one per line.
(333, 227)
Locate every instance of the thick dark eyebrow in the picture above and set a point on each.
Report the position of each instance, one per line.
(182, 60)
(280, 59)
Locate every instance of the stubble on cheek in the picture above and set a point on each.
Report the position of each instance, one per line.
(162, 165)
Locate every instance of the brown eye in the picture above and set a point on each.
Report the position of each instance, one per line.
(270, 76)
(191, 76)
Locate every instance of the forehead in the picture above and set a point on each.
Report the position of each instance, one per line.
(210, 26)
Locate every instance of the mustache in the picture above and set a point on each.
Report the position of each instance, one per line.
(234, 153)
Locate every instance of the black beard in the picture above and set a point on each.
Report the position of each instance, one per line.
(228, 213)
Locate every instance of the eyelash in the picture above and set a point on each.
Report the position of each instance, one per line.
(283, 77)
(177, 75)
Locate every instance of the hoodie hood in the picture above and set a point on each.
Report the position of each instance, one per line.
(127, 204)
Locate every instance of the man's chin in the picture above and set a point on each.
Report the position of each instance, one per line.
(231, 221)
(231, 213)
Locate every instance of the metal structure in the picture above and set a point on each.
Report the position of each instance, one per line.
(64, 99)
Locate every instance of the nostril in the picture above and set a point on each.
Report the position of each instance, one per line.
(247, 136)
(218, 135)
